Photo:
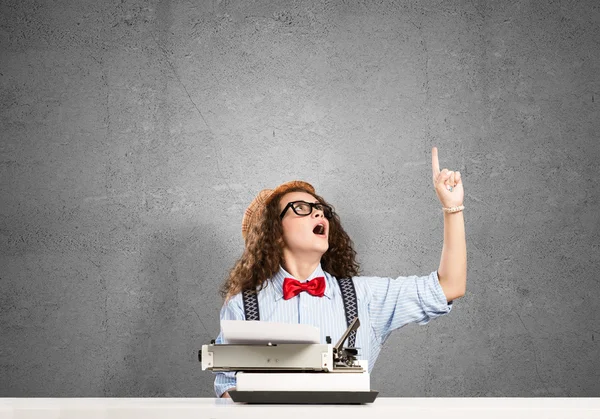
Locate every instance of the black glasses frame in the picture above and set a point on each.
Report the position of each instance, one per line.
(327, 210)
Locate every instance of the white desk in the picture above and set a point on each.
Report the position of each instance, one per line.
(201, 408)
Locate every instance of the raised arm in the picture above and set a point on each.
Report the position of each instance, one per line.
(452, 272)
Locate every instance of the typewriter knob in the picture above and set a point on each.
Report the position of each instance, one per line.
(328, 340)
(200, 355)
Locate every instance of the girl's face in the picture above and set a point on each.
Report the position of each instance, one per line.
(303, 234)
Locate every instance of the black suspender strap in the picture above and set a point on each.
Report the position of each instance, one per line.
(350, 306)
(250, 299)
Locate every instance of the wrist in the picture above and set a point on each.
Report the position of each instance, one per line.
(453, 209)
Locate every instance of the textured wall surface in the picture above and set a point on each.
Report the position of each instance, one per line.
(134, 134)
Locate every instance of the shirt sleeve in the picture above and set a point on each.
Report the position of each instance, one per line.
(397, 302)
(231, 310)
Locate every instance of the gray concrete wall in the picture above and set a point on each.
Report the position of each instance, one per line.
(134, 134)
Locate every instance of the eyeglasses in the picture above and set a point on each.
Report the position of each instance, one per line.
(303, 208)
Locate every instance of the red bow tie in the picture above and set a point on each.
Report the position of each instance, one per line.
(293, 287)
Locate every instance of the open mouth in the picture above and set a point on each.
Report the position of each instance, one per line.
(319, 229)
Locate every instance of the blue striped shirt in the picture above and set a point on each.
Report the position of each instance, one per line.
(384, 304)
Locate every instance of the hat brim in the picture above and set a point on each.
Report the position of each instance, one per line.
(289, 186)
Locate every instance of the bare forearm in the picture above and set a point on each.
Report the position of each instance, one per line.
(452, 271)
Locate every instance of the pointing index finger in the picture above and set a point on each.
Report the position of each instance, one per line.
(435, 163)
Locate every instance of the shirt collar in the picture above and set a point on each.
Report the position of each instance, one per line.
(278, 278)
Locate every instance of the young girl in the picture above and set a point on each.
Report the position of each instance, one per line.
(299, 260)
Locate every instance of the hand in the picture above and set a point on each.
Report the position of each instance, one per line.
(226, 394)
(444, 181)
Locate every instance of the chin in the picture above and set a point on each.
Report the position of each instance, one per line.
(323, 249)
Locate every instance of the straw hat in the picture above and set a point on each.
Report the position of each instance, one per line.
(261, 200)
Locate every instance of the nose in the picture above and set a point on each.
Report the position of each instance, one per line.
(317, 213)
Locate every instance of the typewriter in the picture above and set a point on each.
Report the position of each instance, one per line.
(293, 373)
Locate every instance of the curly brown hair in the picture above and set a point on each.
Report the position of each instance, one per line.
(263, 253)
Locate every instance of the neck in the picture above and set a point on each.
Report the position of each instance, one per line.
(300, 266)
